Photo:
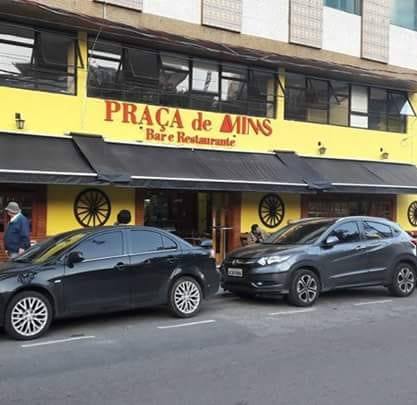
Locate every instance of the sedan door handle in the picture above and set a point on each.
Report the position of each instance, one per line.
(171, 259)
(120, 266)
(359, 247)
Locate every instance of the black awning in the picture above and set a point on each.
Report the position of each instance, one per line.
(354, 176)
(185, 168)
(314, 180)
(42, 160)
(101, 158)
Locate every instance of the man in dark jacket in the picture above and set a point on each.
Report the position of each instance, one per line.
(16, 238)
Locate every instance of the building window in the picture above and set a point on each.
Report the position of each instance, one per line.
(348, 205)
(340, 103)
(205, 86)
(36, 59)
(174, 80)
(404, 13)
(350, 6)
(132, 74)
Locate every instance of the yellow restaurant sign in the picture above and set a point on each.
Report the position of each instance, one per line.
(171, 125)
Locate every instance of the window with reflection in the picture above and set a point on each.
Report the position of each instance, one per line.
(404, 13)
(350, 6)
(122, 72)
(205, 85)
(174, 80)
(337, 102)
(37, 59)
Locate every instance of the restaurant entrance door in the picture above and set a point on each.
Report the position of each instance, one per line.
(195, 216)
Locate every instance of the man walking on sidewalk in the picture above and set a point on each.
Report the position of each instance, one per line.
(16, 238)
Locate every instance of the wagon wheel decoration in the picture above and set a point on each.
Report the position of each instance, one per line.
(412, 213)
(271, 210)
(92, 208)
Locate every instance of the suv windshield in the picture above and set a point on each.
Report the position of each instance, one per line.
(301, 233)
(50, 249)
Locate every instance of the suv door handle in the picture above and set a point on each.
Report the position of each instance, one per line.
(359, 247)
(120, 266)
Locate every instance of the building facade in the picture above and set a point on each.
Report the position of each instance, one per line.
(206, 116)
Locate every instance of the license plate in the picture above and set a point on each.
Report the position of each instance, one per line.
(235, 272)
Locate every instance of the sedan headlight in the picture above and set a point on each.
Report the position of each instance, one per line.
(264, 261)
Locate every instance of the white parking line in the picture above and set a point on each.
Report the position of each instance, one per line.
(297, 311)
(372, 302)
(53, 342)
(180, 325)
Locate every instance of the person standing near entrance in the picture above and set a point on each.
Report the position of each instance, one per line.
(17, 235)
(256, 235)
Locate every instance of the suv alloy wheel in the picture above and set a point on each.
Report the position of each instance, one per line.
(403, 280)
(304, 288)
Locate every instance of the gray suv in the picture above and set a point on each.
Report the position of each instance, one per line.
(321, 254)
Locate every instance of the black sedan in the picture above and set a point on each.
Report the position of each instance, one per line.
(101, 270)
(315, 255)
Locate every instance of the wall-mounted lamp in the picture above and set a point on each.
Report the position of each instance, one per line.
(384, 155)
(20, 122)
(322, 148)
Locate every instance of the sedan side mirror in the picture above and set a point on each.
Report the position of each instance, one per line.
(74, 258)
(331, 241)
(206, 244)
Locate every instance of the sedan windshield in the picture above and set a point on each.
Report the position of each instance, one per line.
(50, 249)
(301, 233)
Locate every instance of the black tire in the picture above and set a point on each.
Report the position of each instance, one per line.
(403, 280)
(190, 303)
(304, 288)
(37, 325)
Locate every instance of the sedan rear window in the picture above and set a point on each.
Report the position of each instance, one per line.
(145, 242)
(300, 233)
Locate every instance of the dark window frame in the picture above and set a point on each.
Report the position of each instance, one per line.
(36, 53)
(270, 106)
(331, 93)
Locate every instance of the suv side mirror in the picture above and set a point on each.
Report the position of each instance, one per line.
(331, 241)
(74, 258)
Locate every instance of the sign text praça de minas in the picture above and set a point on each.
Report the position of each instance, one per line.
(164, 124)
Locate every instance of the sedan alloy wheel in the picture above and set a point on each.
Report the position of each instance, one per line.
(28, 316)
(185, 297)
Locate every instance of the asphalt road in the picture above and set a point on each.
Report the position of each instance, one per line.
(354, 348)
